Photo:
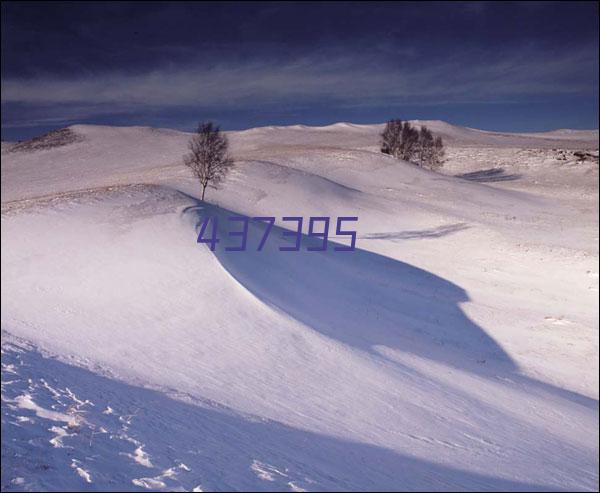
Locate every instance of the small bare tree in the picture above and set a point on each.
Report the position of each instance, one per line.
(400, 139)
(403, 141)
(209, 159)
(410, 142)
(391, 138)
(426, 147)
(438, 152)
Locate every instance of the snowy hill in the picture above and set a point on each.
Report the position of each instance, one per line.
(456, 348)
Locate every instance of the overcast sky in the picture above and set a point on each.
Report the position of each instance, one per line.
(530, 66)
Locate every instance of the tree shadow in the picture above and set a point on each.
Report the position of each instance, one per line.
(489, 175)
(365, 300)
(186, 445)
(417, 234)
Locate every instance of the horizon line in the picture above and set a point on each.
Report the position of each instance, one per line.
(565, 129)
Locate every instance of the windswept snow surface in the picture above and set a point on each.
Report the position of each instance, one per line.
(456, 348)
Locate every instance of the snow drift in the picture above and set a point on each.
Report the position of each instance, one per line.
(444, 353)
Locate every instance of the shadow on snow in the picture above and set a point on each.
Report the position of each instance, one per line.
(437, 232)
(366, 300)
(490, 175)
(187, 445)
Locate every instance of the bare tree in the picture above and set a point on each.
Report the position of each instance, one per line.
(438, 152)
(391, 138)
(410, 142)
(399, 139)
(209, 159)
(426, 146)
(403, 141)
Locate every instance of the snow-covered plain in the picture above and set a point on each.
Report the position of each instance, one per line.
(456, 348)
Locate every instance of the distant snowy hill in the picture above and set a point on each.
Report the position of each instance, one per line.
(88, 156)
(456, 348)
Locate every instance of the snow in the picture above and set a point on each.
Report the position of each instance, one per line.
(456, 348)
(25, 402)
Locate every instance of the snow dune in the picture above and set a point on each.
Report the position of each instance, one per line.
(215, 449)
(445, 352)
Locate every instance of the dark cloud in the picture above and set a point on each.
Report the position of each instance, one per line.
(86, 61)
